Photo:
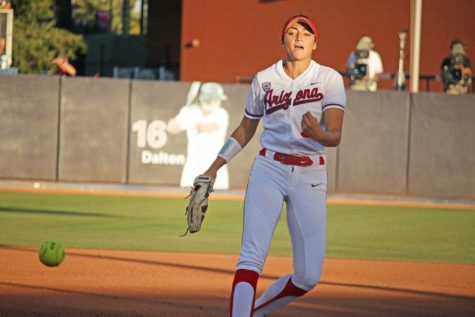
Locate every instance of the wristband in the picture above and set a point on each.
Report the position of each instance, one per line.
(230, 149)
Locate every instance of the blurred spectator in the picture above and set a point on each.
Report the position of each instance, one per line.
(364, 65)
(3, 58)
(5, 4)
(63, 66)
(456, 70)
(3, 45)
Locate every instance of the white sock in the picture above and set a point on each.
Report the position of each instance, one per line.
(243, 293)
(242, 300)
(280, 293)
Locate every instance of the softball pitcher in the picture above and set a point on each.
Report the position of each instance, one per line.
(301, 104)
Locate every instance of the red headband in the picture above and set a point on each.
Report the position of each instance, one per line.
(303, 19)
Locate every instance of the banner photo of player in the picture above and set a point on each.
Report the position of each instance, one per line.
(205, 122)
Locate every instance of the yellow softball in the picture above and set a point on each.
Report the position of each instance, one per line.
(51, 253)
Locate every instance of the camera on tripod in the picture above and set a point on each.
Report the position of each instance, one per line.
(359, 71)
(361, 66)
(453, 73)
(364, 65)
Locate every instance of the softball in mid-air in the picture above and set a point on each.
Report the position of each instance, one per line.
(51, 253)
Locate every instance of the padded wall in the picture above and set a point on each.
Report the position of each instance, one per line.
(442, 149)
(29, 127)
(93, 131)
(373, 152)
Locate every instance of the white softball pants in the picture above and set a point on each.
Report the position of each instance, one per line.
(304, 191)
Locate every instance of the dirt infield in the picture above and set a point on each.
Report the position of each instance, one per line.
(115, 283)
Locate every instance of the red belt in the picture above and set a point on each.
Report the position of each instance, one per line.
(289, 159)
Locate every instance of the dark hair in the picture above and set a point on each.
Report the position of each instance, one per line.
(306, 26)
(455, 42)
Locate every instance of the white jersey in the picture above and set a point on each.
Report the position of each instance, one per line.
(282, 101)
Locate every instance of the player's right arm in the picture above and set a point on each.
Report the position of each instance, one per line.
(245, 131)
(242, 134)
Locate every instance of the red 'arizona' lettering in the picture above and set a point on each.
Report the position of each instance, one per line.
(274, 103)
(307, 95)
(282, 101)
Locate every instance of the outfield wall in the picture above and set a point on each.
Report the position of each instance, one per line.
(118, 131)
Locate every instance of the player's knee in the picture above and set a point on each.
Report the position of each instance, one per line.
(307, 281)
(311, 282)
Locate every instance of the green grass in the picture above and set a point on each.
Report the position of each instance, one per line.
(421, 234)
(132, 223)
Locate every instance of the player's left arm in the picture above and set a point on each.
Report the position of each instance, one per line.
(333, 106)
(331, 135)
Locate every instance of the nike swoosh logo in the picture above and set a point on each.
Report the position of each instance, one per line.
(314, 185)
(311, 84)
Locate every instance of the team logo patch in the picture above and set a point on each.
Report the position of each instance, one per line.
(266, 86)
